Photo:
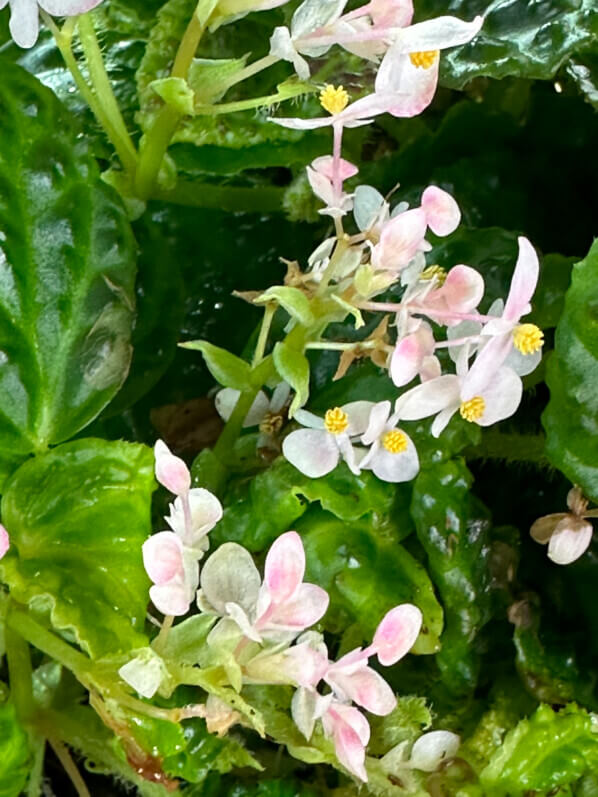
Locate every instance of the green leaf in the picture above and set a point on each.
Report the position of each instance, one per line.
(77, 517)
(208, 77)
(548, 750)
(14, 753)
(226, 368)
(258, 510)
(410, 717)
(455, 536)
(367, 576)
(571, 417)
(66, 292)
(294, 301)
(293, 367)
(525, 38)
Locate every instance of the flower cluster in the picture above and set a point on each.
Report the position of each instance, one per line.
(24, 15)
(171, 558)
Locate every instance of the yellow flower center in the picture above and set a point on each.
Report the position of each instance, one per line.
(336, 420)
(424, 59)
(271, 423)
(395, 441)
(333, 99)
(473, 409)
(434, 271)
(528, 338)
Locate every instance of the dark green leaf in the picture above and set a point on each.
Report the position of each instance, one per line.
(454, 534)
(523, 38)
(366, 576)
(77, 517)
(571, 418)
(66, 292)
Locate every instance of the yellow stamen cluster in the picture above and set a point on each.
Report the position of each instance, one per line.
(473, 409)
(434, 271)
(271, 423)
(528, 338)
(424, 59)
(333, 99)
(395, 441)
(336, 420)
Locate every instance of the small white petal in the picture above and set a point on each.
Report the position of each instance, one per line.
(230, 576)
(431, 749)
(570, 540)
(312, 451)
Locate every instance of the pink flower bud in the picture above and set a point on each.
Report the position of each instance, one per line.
(4, 541)
(171, 471)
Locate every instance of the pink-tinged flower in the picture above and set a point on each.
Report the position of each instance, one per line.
(507, 335)
(568, 534)
(350, 732)
(442, 212)
(392, 456)
(174, 571)
(193, 516)
(328, 187)
(280, 608)
(316, 451)
(401, 238)
(457, 294)
(482, 402)
(24, 15)
(414, 355)
(269, 414)
(303, 665)
(171, 471)
(351, 678)
(4, 541)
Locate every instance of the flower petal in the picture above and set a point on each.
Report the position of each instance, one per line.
(172, 598)
(350, 735)
(429, 398)
(570, 540)
(395, 468)
(230, 576)
(439, 33)
(523, 284)
(485, 366)
(463, 289)
(171, 471)
(365, 687)
(285, 566)
(205, 510)
(68, 8)
(442, 212)
(4, 541)
(304, 610)
(324, 165)
(431, 749)
(502, 396)
(226, 401)
(543, 528)
(378, 417)
(409, 354)
(24, 22)
(144, 673)
(163, 557)
(311, 451)
(400, 239)
(391, 13)
(396, 633)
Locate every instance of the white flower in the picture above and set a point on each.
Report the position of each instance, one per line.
(267, 413)
(568, 534)
(316, 451)
(392, 456)
(24, 15)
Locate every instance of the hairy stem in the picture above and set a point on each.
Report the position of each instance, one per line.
(260, 346)
(510, 446)
(158, 137)
(20, 673)
(104, 93)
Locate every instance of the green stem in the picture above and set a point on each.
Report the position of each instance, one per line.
(260, 346)
(69, 766)
(36, 775)
(159, 642)
(233, 426)
(22, 623)
(247, 105)
(251, 70)
(20, 673)
(339, 251)
(510, 446)
(104, 93)
(158, 137)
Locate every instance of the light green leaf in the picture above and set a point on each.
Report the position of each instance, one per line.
(68, 270)
(209, 77)
(294, 301)
(226, 368)
(77, 517)
(176, 92)
(14, 753)
(571, 417)
(293, 367)
(548, 750)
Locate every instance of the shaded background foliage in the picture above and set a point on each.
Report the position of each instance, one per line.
(511, 133)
